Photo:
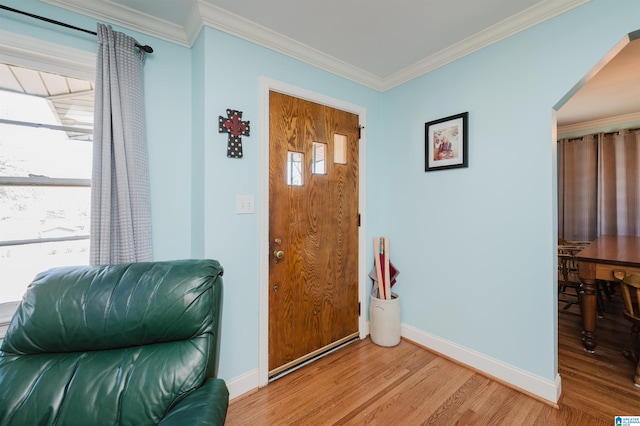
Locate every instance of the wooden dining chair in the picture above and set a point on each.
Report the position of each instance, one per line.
(568, 280)
(630, 289)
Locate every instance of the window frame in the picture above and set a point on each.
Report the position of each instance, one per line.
(36, 53)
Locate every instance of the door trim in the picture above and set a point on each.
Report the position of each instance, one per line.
(266, 85)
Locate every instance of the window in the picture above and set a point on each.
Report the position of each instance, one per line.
(339, 149)
(295, 174)
(46, 133)
(319, 164)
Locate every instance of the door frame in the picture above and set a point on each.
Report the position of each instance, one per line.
(266, 85)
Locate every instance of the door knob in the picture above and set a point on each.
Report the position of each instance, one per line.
(278, 254)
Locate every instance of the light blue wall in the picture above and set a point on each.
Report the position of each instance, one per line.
(170, 138)
(38, 29)
(199, 125)
(475, 246)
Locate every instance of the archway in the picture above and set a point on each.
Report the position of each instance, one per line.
(606, 99)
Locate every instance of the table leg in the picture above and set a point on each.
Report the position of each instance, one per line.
(588, 308)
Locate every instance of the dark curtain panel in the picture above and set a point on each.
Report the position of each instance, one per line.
(599, 186)
(619, 184)
(577, 188)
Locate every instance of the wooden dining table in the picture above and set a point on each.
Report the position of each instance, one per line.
(608, 258)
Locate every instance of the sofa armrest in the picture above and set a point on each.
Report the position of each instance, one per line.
(206, 405)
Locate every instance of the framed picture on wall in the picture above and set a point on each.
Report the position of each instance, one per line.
(446, 143)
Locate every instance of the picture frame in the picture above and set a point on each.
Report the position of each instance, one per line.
(447, 143)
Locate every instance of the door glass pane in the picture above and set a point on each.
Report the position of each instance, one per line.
(339, 149)
(295, 162)
(319, 165)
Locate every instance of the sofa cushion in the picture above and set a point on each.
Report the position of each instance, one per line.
(72, 309)
(123, 386)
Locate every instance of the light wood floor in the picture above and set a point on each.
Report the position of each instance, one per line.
(601, 383)
(409, 385)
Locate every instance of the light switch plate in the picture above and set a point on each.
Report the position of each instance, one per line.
(244, 204)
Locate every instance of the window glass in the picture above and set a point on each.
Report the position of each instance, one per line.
(32, 212)
(295, 161)
(45, 175)
(319, 164)
(36, 152)
(19, 264)
(339, 149)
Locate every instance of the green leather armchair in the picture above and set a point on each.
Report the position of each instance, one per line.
(133, 344)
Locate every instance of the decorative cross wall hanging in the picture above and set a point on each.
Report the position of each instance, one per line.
(234, 125)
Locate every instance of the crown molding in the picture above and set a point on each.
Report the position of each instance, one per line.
(223, 20)
(526, 19)
(193, 24)
(609, 122)
(17, 49)
(203, 13)
(125, 17)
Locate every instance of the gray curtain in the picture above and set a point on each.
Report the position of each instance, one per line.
(120, 206)
(577, 188)
(619, 183)
(599, 185)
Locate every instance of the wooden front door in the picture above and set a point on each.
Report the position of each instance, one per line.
(313, 230)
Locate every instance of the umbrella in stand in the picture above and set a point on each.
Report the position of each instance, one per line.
(387, 272)
(382, 281)
(383, 265)
(376, 261)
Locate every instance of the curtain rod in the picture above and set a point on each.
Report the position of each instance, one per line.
(617, 132)
(146, 48)
(622, 130)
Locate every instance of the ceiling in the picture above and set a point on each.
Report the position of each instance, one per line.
(377, 43)
(610, 96)
(380, 37)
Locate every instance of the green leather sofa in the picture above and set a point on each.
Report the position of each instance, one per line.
(132, 344)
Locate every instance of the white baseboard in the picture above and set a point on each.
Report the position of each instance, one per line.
(522, 380)
(243, 384)
(519, 379)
